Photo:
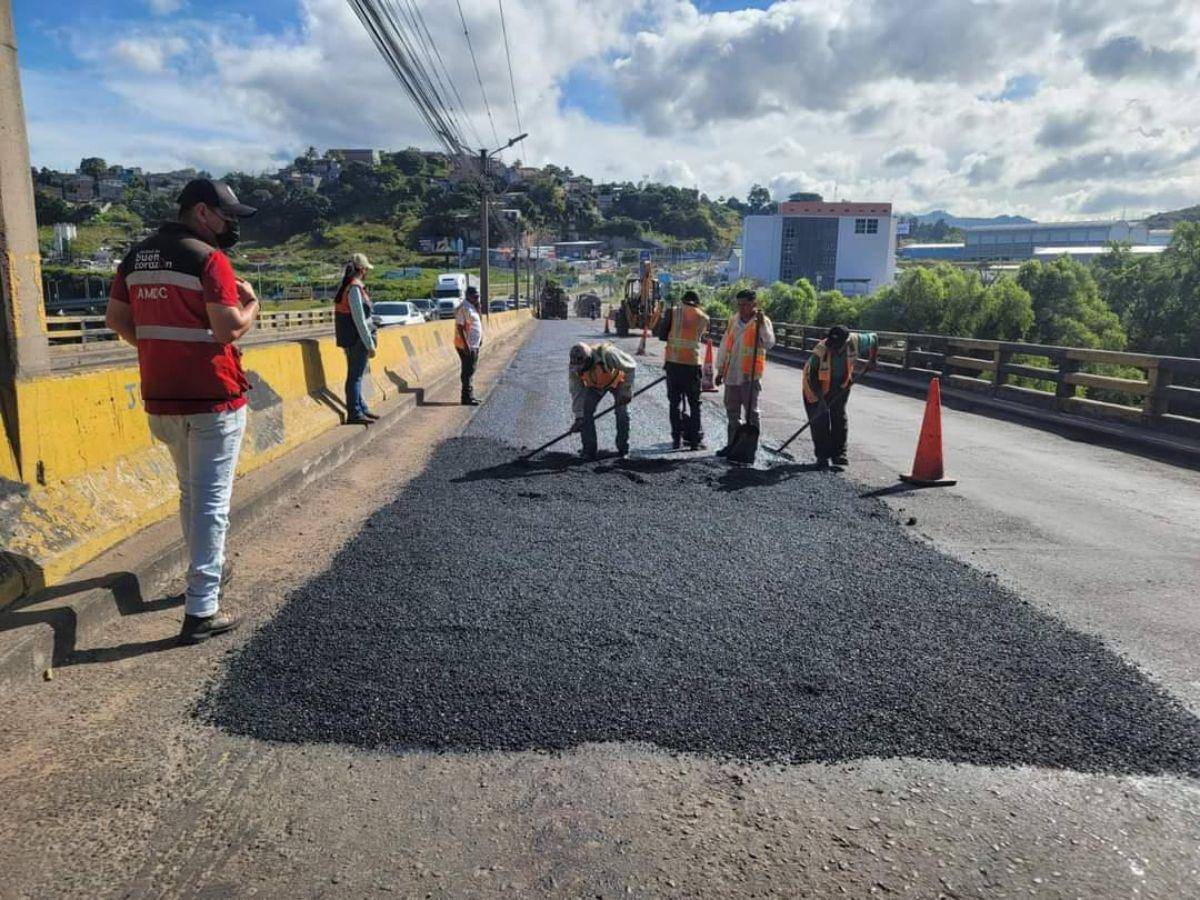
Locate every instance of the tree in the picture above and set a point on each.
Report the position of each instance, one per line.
(410, 161)
(835, 308)
(759, 201)
(1007, 312)
(1159, 297)
(94, 166)
(1067, 306)
(804, 197)
(50, 210)
(794, 303)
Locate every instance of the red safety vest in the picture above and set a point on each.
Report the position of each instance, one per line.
(184, 370)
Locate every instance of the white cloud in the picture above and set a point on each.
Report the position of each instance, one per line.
(979, 107)
(164, 7)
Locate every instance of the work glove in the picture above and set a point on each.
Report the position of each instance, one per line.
(720, 380)
(371, 353)
(576, 426)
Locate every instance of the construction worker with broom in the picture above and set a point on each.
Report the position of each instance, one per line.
(741, 362)
(593, 372)
(829, 374)
(683, 328)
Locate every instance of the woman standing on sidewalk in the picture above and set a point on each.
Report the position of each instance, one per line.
(351, 321)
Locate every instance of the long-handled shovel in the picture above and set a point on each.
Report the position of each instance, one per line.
(566, 434)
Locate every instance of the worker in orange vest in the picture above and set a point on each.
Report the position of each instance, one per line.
(828, 375)
(593, 372)
(742, 361)
(683, 328)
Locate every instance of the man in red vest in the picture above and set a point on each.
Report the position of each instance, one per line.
(176, 299)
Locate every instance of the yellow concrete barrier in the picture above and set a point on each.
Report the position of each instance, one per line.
(86, 473)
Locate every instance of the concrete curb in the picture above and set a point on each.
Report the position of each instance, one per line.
(1162, 447)
(44, 630)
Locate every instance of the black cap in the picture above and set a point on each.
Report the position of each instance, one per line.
(472, 291)
(216, 194)
(838, 335)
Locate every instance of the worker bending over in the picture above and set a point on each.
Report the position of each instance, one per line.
(683, 328)
(594, 372)
(742, 361)
(828, 376)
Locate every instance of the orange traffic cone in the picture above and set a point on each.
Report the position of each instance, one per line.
(707, 385)
(927, 466)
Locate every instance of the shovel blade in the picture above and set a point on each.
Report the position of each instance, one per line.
(745, 445)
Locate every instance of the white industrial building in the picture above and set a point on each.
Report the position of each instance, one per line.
(850, 247)
(1025, 240)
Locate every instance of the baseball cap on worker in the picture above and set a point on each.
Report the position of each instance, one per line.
(360, 261)
(217, 195)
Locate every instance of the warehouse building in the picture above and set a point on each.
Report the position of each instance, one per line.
(1019, 242)
(850, 247)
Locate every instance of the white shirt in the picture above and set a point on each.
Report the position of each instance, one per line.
(733, 369)
(468, 317)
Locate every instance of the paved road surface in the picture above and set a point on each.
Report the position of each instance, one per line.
(110, 786)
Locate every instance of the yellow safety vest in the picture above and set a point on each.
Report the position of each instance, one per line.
(688, 325)
(749, 338)
(821, 354)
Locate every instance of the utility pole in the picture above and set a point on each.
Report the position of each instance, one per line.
(484, 295)
(24, 347)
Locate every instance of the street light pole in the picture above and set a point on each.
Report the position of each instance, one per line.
(484, 155)
(484, 295)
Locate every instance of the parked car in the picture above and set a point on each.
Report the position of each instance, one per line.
(498, 305)
(395, 312)
(511, 303)
(426, 307)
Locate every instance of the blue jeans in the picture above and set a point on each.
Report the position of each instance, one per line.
(356, 366)
(205, 449)
(588, 432)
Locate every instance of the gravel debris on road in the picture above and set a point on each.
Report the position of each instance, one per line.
(771, 614)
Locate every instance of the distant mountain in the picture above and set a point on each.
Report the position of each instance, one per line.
(931, 218)
(1173, 218)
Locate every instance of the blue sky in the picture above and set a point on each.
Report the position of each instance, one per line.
(1041, 107)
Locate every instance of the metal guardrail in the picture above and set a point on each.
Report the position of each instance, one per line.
(1040, 375)
(68, 333)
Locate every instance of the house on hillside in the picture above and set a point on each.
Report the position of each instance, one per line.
(366, 157)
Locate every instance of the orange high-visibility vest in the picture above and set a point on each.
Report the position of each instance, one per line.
(749, 338)
(688, 325)
(821, 354)
(342, 306)
(599, 378)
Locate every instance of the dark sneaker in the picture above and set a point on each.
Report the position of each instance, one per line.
(358, 420)
(197, 629)
(621, 454)
(676, 443)
(372, 416)
(724, 451)
(589, 455)
(470, 402)
(822, 462)
(699, 445)
(841, 460)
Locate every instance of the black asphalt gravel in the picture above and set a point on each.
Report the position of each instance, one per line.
(765, 614)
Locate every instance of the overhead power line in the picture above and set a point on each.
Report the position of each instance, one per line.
(479, 78)
(511, 82)
(401, 36)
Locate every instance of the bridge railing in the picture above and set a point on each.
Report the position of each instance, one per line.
(1160, 392)
(68, 333)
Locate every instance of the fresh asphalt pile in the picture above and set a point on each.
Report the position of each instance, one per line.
(764, 614)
